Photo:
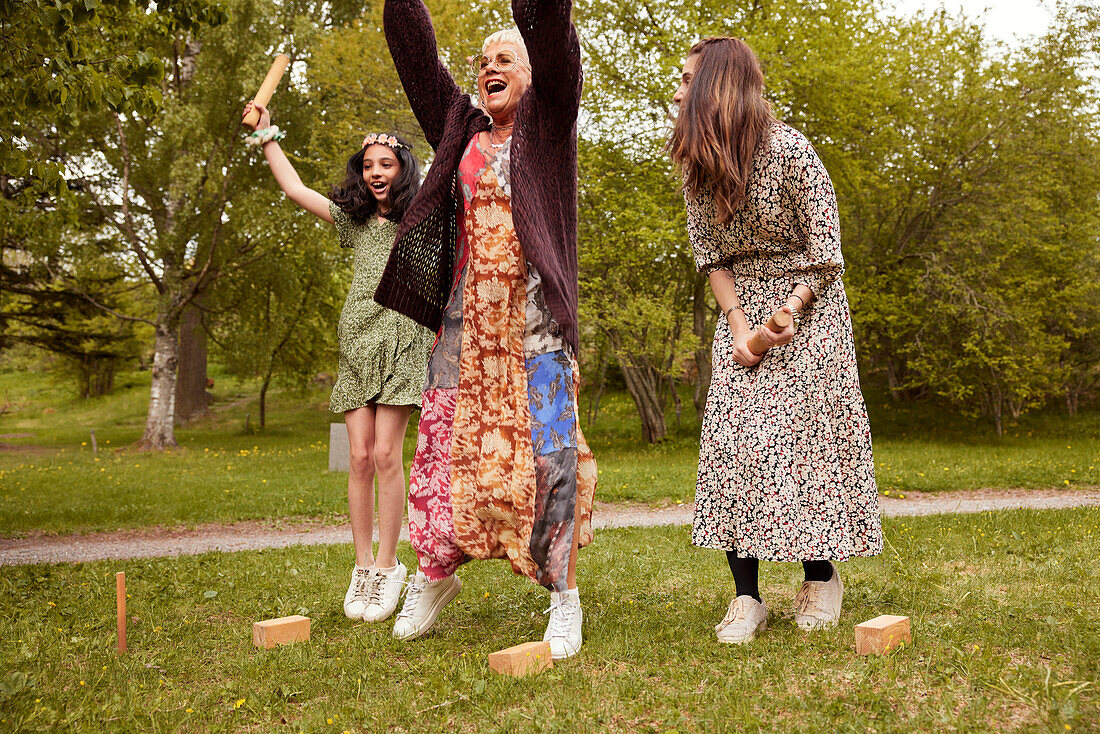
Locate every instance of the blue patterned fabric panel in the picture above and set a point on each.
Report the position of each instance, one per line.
(553, 412)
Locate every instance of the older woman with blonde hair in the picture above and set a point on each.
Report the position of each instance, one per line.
(785, 467)
(486, 256)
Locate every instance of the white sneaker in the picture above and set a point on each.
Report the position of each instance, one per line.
(355, 600)
(423, 603)
(745, 618)
(566, 619)
(817, 603)
(383, 592)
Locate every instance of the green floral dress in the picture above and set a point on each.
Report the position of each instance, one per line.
(383, 355)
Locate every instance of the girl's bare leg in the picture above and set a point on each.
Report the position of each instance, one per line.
(390, 424)
(361, 436)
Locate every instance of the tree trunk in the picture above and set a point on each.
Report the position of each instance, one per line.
(97, 376)
(191, 396)
(677, 404)
(594, 395)
(703, 368)
(263, 400)
(993, 405)
(644, 385)
(1073, 400)
(160, 430)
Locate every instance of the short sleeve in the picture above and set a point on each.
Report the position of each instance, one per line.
(811, 194)
(343, 224)
(702, 218)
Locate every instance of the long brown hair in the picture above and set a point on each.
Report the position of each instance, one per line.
(723, 119)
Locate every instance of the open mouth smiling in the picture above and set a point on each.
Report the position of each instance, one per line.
(495, 85)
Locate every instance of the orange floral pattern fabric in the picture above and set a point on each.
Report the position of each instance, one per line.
(492, 460)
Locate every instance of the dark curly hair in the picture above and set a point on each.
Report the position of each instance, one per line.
(354, 195)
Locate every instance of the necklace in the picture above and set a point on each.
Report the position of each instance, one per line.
(493, 129)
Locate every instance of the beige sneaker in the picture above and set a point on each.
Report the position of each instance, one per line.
(383, 592)
(745, 618)
(355, 600)
(817, 603)
(423, 602)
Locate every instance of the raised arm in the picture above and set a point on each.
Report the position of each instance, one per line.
(285, 175)
(552, 44)
(429, 86)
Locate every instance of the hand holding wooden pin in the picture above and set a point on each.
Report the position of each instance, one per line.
(780, 320)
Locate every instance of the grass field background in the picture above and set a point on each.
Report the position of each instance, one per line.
(51, 481)
(1005, 638)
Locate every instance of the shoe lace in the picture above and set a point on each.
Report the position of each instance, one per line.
(561, 614)
(416, 588)
(363, 580)
(738, 610)
(374, 588)
(810, 595)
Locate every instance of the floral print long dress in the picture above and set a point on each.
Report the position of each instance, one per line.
(501, 468)
(786, 471)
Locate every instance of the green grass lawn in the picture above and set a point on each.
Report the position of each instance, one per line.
(1003, 607)
(51, 481)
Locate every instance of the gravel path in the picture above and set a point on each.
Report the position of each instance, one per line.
(157, 542)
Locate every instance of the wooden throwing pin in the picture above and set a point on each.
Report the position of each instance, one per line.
(120, 608)
(271, 81)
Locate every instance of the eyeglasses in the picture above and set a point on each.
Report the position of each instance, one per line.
(505, 61)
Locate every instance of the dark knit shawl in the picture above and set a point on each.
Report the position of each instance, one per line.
(418, 276)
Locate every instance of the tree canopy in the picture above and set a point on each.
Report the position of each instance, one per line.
(967, 173)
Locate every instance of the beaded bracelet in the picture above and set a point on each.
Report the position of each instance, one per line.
(266, 135)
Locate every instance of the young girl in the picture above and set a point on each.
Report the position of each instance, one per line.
(383, 355)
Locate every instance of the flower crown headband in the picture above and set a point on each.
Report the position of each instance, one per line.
(384, 139)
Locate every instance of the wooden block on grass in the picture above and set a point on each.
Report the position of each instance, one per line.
(876, 636)
(272, 632)
(530, 657)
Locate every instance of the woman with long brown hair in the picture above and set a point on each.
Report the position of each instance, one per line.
(785, 467)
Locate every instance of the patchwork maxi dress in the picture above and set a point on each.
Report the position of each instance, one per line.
(786, 471)
(501, 469)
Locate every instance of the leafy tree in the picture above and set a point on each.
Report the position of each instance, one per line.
(636, 275)
(280, 314)
(58, 62)
(36, 307)
(170, 183)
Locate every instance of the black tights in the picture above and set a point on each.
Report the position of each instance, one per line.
(746, 573)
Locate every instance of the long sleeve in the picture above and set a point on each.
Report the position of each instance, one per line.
(429, 86)
(816, 216)
(554, 48)
(704, 239)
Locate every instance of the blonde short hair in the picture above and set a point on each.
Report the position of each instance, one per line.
(511, 36)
